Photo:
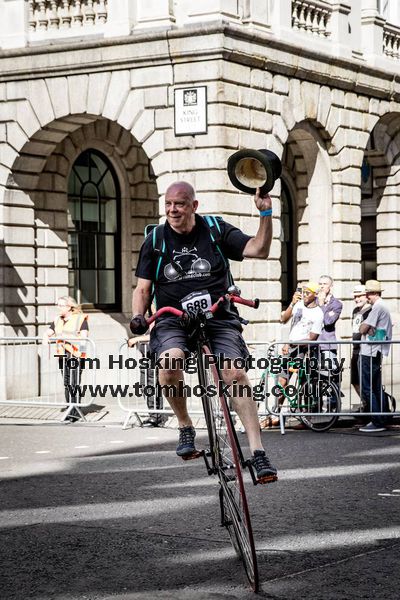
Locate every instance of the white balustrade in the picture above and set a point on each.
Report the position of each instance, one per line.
(391, 41)
(40, 21)
(312, 17)
(55, 15)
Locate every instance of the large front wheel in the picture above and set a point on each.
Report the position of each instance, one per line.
(228, 461)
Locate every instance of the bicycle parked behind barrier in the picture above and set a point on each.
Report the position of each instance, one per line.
(224, 456)
(314, 391)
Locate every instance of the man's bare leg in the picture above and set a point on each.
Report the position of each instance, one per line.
(247, 410)
(170, 376)
(245, 407)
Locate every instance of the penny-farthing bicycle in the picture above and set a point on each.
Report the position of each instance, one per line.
(224, 457)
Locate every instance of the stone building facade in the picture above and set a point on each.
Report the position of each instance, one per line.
(88, 146)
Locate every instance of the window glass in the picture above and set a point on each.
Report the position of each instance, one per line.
(368, 223)
(106, 287)
(93, 235)
(288, 247)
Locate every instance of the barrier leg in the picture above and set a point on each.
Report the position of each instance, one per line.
(73, 407)
(128, 418)
(282, 422)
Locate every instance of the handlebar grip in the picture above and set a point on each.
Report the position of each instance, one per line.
(151, 319)
(252, 303)
(165, 310)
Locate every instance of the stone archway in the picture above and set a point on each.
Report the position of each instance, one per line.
(383, 155)
(307, 173)
(37, 189)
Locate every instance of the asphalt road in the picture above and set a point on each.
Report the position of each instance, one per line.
(91, 512)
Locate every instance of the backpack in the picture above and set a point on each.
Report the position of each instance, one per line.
(160, 249)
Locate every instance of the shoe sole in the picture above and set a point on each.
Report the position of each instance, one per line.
(372, 430)
(192, 455)
(267, 479)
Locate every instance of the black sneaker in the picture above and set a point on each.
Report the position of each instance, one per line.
(186, 441)
(155, 420)
(150, 421)
(263, 466)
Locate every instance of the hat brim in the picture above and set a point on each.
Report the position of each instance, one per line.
(252, 169)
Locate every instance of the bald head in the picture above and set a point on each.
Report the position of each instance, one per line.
(182, 188)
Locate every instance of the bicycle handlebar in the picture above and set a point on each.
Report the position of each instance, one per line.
(179, 313)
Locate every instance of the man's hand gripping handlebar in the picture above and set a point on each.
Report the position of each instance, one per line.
(230, 296)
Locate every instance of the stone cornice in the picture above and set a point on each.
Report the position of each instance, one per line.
(252, 47)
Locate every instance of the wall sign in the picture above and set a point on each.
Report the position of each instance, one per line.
(191, 110)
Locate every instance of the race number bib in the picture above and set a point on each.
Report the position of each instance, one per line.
(197, 300)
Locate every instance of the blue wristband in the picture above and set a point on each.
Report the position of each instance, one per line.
(266, 213)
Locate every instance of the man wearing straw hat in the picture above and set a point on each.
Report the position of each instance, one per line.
(376, 328)
(360, 313)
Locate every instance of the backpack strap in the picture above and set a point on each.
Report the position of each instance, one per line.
(214, 227)
(215, 234)
(158, 247)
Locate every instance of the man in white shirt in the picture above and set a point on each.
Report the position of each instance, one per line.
(307, 322)
(307, 316)
(376, 328)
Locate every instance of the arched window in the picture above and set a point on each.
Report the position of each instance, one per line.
(288, 246)
(93, 232)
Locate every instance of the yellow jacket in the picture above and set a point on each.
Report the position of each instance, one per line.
(70, 329)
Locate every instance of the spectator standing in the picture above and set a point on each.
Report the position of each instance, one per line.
(70, 326)
(332, 308)
(360, 313)
(377, 327)
(306, 325)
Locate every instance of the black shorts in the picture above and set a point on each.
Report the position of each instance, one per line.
(355, 368)
(225, 337)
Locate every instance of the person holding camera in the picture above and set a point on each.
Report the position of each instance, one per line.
(306, 325)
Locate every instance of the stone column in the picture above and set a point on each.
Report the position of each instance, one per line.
(341, 36)
(154, 13)
(256, 13)
(388, 242)
(281, 15)
(392, 15)
(120, 18)
(371, 28)
(14, 23)
(214, 9)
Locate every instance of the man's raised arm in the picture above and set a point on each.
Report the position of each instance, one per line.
(259, 245)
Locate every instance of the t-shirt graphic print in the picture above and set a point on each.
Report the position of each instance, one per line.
(190, 265)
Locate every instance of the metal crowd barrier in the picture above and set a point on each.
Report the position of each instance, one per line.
(136, 403)
(328, 357)
(32, 376)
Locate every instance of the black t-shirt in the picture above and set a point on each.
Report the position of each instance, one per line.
(358, 316)
(203, 268)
